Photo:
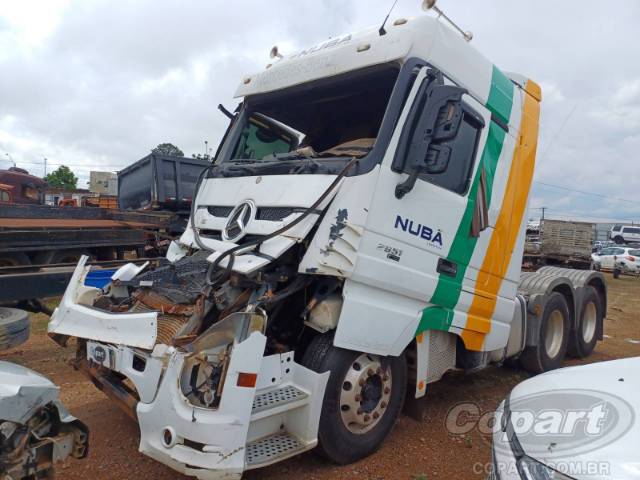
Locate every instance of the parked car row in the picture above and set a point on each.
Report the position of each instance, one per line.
(625, 259)
(621, 234)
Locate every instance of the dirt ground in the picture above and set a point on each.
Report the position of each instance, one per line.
(414, 450)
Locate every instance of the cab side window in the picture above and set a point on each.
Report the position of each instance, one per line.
(457, 176)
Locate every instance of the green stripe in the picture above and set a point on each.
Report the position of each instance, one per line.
(447, 292)
(500, 96)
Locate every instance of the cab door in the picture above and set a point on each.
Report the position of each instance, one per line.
(424, 225)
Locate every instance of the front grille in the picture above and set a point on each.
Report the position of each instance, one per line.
(274, 214)
(270, 214)
(217, 235)
(211, 234)
(219, 211)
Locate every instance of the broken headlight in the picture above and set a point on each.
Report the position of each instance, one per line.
(204, 371)
(531, 469)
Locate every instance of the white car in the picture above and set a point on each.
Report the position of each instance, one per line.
(628, 259)
(625, 234)
(572, 423)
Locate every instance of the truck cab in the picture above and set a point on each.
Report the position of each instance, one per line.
(18, 187)
(359, 235)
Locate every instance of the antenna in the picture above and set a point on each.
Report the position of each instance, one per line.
(382, 31)
(431, 5)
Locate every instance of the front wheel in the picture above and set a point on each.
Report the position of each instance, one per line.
(362, 401)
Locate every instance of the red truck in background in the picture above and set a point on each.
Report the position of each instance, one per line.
(19, 188)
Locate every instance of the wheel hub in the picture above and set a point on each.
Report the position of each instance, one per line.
(555, 332)
(589, 322)
(365, 394)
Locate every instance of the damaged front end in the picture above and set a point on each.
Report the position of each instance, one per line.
(36, 431)
(210, 379)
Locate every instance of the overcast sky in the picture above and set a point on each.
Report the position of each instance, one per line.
(97, 84)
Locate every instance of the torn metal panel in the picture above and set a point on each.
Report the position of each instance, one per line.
(334, 247)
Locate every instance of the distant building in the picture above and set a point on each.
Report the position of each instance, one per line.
(104, 183)
(53, 196)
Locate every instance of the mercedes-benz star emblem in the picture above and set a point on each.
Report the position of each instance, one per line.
(240, 216)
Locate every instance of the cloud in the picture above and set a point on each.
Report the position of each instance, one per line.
(100, 83)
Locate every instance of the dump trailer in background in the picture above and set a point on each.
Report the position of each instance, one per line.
(159, 182)
(559, 242)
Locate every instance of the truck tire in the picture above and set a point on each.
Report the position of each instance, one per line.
(53, 257)
(619, 240)
(583, 339)
(14, 259)
(553, 337)
(362, 401)
(14, 327)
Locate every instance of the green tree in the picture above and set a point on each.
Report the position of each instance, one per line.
(63, 177)
(168, 149)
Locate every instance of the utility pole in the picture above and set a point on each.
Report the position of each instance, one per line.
(543, 209)
(11, 159)
(206, 148)
(45, 166)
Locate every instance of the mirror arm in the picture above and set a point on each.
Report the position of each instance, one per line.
(226, 112)
(405, 187)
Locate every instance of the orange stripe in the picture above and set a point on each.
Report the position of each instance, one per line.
(503, 240)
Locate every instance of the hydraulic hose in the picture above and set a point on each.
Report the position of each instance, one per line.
(231, 252)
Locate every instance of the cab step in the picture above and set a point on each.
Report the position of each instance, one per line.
(274, 401)
(272, 449)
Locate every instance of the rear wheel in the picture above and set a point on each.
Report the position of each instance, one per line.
(553, 337)
(584, 338)
(60, 256)
(14, 259)
(362, 401)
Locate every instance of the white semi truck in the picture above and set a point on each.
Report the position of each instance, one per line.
(359, 235)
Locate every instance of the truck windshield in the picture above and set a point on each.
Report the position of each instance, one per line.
(337, 117)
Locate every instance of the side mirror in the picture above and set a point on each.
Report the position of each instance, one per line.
(438, 122)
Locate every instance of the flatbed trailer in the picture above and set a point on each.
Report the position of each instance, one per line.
(39, 235)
